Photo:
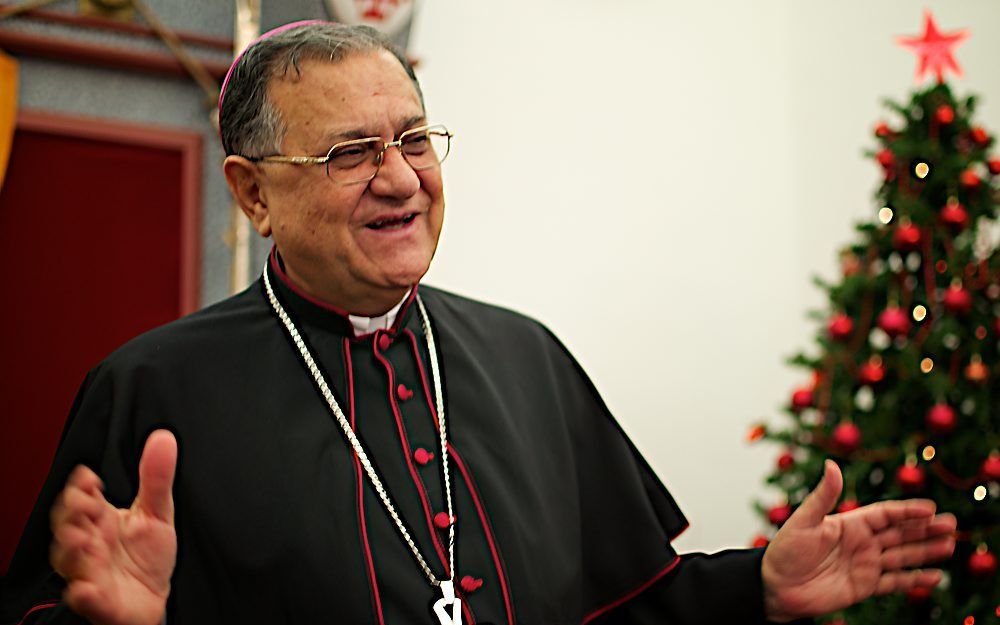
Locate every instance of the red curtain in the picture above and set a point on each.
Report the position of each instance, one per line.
(90, 249)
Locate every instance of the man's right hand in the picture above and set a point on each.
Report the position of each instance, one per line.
(117, 563)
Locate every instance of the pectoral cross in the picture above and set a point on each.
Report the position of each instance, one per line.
(448, 598)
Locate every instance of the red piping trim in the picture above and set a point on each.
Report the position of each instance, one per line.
(370, 565)
(633, 594)
(497, 565)
(680, 531)
(467, 477)
(417, 481)
(421, 491)
(398, 322)
(276, 266)
(40, 606)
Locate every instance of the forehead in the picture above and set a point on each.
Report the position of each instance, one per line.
(367, 91)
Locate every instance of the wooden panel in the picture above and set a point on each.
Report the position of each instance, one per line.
(72, 51)
(134, 28)
(96, 221)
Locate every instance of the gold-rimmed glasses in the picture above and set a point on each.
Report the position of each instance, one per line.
(359, 160)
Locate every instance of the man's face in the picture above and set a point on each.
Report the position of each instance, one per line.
(348, 241)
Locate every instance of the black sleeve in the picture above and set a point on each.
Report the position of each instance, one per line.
(58, 614)
(31, 592)
(702, 589)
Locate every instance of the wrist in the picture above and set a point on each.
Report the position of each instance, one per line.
(774, 608)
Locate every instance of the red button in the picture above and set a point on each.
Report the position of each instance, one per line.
(422, 456)
(384, 342)
(441, 520)
(403, 393)
(470, 584)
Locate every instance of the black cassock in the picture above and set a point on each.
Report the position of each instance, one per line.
(559, 519)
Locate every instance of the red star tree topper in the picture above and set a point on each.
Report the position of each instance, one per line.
(934, 49)
(375, 9)
(910, 408)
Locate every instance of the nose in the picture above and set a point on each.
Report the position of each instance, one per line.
(395, 178)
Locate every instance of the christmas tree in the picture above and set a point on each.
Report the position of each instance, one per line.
(905, 387)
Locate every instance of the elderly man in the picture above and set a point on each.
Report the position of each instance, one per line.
(336, 445)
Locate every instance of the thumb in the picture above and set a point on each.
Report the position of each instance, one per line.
(822, 500)
(156, 476)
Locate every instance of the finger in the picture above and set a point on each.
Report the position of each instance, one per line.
(901, 581)
(156, 476)
(84, 479)
(70, 553)
(916, 530)
(822, 500)
(68, 536)
(918, 554)
(886, 513)
(75, 504)
(86, 599)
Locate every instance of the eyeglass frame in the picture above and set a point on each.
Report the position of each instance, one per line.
(325, 160)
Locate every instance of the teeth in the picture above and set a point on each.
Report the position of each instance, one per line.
(392, 223)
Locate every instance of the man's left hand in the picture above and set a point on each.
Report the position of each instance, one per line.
(819, 563)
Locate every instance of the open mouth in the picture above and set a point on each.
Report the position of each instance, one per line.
(392, 224)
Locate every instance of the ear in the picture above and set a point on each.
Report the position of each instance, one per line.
(243, 178)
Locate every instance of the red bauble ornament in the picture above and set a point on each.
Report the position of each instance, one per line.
(882, 130)
(957, 300)
(886, 158)
(969, 179)
(847, 505)
(786, 461)
(919, 594)
(994, 166)
(982, 563)
(944, 114)
(976, 371)
(779, 514)
(871, 372)
(979, 136)
(906, 237)
(990, 470)
(840, 327)
(760, 541)
(802, 399)
(941, 418)
(911, 478)
(894, 321)
(846, 437)
(954, 216)
(817, 378)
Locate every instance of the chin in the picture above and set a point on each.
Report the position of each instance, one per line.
(405, 277)
(407, 269)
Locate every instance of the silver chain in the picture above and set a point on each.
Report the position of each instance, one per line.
(327, 394)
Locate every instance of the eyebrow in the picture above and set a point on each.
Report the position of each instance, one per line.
(360, 133)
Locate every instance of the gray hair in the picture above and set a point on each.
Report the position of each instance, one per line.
(249, 123)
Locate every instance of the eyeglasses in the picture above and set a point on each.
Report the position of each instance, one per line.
(359, 160)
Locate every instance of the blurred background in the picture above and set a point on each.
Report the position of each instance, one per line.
(656, 181)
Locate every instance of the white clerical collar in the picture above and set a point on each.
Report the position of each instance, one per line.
(367, 325)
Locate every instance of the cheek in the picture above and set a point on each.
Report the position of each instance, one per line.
(432, 184)
(325, 208)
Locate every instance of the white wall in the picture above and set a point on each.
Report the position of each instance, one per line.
(657, 180)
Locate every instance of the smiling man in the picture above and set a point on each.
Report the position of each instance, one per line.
(341, 444)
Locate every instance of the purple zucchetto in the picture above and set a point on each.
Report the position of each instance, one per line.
(270, 33)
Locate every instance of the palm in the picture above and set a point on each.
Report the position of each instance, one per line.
(118, 563)
(819, 563)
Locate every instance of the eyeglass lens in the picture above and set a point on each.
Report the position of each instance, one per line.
(360, 161)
